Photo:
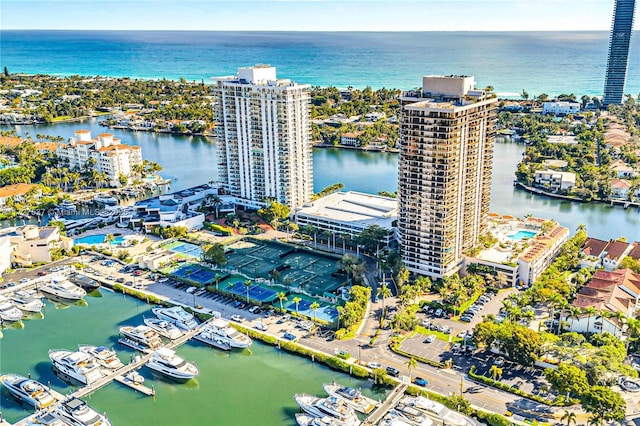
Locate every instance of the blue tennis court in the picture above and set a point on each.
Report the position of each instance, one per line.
(195, 272)
(185, 248)
(256, 292)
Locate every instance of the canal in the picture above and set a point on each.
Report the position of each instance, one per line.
(191, 160)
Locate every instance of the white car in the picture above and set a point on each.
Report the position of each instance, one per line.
(24, 280)
(430, 338)
(163, 280)
(260, 326)
(374, 365)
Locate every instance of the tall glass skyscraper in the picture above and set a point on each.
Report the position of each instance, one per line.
(618, 51)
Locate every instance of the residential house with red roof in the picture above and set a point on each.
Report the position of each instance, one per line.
(597, 253)
(611, 294)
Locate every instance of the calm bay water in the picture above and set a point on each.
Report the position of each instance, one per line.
(241, 388)
(550, 62)
(191, 161)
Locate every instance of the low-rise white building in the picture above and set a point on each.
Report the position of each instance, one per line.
(155, 260)
(351, 139)
(32, 244)
(349, 213)
(560, 107)
(620, 188)
(111, 157)
(554, 181)
(6, 251)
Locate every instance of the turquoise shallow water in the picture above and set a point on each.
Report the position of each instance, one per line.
(239, 388)
(550, 62)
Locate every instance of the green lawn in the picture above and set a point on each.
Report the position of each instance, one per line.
(439, 335)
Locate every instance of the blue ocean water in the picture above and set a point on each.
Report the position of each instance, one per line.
(549, 62)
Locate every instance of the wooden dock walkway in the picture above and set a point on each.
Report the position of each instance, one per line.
(388, 404)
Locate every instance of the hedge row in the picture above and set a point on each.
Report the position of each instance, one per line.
(137, 294)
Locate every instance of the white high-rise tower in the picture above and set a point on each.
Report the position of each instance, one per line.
(264, 138)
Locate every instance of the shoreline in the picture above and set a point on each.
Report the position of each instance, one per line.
(537, 191)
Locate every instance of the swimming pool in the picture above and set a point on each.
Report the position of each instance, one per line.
(520, 235)
(97, 239)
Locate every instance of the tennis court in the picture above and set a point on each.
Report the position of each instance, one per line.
(184, 248)
(325, 312)
(257, 292)
(194, 272)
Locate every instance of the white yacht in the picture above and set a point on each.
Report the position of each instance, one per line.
(104, 356)
(304, 419)
(221, 328)
(208, 337)
(438, 412)
(63, 289)
(76, 412)
(181, 318)
(28, 391)
(163, 328)
(105, 199)
(142, 336)
(78, 365)
(352, 397)
(8, 311)
(411, 415)
(45, 418)
(322, 407)
(167, 362)
(27, 301)
(67, 207)
(391, 419)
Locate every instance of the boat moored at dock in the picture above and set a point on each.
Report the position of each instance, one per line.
(170, 364)
(87, 283)
(28, 391)
(438, 411)
(104, 356)
(143, 337)
(331, 406)
(45, 418)
(27, 301)
(8, 311)
(163, 328)
(76, 412)
(352, 397)
(178, 316)
(62, 289)
(221, 328)
(304, 419)
(79, 366)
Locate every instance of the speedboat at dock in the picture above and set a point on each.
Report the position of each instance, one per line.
(8, 311)
(163, 328)
(104, 356)
(170, 364)
(28, 391)
(105, 200)
(322, 407)
(79, 366)
(140, 337)
(62, 289)
(76, 412)
(27, 301)
(352, 397)
(88, 284)
(221, 328)
(178, 316)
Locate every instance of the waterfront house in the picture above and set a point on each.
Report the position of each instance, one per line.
(623, 170)
(596, 253)
(621, 188)
(351, 139)
(17, 191)
(554, 181)
(608, 292)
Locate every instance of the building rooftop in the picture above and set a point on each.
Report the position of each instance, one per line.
(15, 190)
(356, 208)
(612, 291)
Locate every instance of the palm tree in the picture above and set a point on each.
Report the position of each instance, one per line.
(314, 306)
(216, 202)
(563, 304)
(109, 238)
(282, 296)
(247, 285)
(411, 364)
(590, 310)
(621, 320)
(569, 417)
(297, 300)
(383, 292)
(633, 330)
(496, 372)
(574, 312)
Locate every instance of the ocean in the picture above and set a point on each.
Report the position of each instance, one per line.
(538, 62)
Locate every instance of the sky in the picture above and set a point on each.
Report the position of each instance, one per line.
(309, 15)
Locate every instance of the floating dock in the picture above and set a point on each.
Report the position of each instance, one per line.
(135, 386)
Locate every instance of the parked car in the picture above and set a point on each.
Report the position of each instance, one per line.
(163, 280)
(430, 338)
(393, 372)
(374, 365)
(237, 318)
(120, 280)
(24, 280)
(498, 361)
(290, 337)
(42, 273)
(420, 381)
(465, 318)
